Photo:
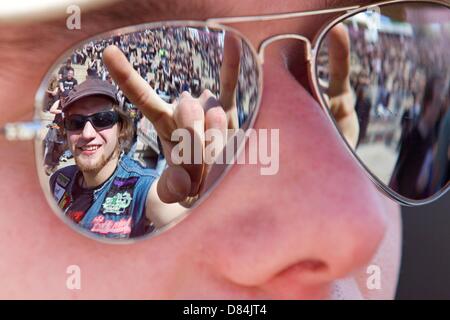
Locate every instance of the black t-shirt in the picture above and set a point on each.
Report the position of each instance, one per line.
(68, 84)
(83, 199)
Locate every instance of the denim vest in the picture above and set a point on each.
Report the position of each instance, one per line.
(118, 207)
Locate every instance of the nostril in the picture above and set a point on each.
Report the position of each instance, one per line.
(303, 272)
(306, 266)
(307, 279)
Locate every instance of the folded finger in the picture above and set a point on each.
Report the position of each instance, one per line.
(189, 116)
(174, 184)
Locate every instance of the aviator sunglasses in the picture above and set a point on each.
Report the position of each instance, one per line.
(392, 87)
(100, 120)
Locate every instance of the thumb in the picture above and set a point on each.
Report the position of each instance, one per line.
(339, 59)
(174, 184)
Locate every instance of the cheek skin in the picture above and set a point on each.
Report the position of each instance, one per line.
(110, 137)
(387, 257)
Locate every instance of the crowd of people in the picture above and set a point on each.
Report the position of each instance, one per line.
(172, 60)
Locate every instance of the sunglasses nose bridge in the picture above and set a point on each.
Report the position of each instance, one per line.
(88, 128)
(268, 41)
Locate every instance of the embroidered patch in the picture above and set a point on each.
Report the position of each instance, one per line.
(58, 192)
(118, 203)
(65, 201)
(62, 180)
(76, 216)
(119, 197)
(104, 226)
(122, 183)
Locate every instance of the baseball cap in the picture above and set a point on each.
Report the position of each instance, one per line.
(90, 87)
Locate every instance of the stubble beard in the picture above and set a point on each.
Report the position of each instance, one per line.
(94, 169)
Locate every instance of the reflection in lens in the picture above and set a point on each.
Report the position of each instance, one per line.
(100, 174)
(399, 74)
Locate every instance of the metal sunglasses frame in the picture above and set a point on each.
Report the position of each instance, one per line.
(33, 129)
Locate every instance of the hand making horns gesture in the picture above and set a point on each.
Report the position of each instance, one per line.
(179, 182)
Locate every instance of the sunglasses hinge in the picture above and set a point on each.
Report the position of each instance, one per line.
(20, 131)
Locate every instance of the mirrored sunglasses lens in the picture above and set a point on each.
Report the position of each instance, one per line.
(384, 74)
(206, 67)
(74, 122)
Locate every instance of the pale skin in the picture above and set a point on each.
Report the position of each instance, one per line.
(326, 220)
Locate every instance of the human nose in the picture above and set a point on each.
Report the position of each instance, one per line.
(317, 220)
(88, 131)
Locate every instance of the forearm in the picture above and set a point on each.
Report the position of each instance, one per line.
(161, 213)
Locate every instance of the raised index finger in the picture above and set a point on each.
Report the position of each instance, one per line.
(139, 91)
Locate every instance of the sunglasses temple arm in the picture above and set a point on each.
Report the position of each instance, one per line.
(19, 131)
